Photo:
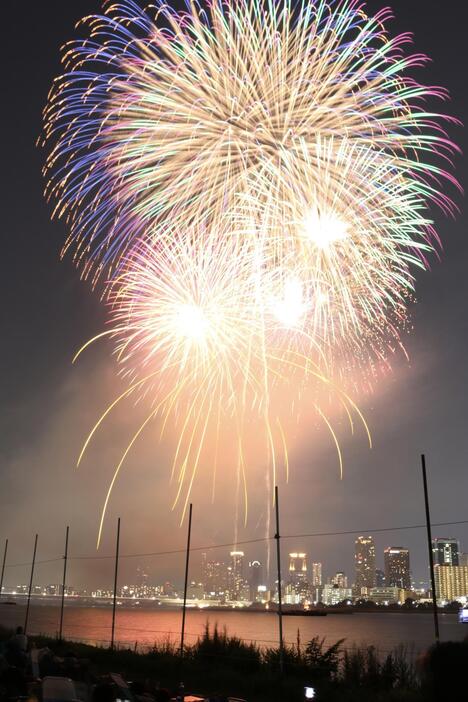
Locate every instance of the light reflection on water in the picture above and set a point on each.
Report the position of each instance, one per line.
(145, 626)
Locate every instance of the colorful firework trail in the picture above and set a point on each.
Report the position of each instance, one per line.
(254, 181)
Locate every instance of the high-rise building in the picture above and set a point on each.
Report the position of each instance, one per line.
(339, 579)
(364, 560)
(214, 577)
(446, 551)
(397, 567)
(142, 587)
(236, 575)
(255, 579)
(451, 581)
(297, 587)
(379, 578)
(297, 565)
(316, 574)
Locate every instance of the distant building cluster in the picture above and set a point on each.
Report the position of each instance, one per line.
(236, 581)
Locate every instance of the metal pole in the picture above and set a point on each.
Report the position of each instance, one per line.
(115, 582)
(429, 545)
(65, 558)
(3, 566)
(187, 557)
(30, 586)
(280, 604)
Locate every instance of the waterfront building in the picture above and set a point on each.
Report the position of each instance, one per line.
(290, 596)
(195, 591)
(52, 590)
(451, 581)
(297, 588)
(102, 593)
(255, 579)
(397, 567)
(168, 590)
(141, 588)
(244, 593)
(364, 560)
(215, 577)
(263, 594)
(257, 587)
(334, 594)
(385, 595)
(339, 579)
(446, 551)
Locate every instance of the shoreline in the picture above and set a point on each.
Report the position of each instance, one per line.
(152, 606)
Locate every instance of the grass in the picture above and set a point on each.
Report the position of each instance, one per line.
(225, 664)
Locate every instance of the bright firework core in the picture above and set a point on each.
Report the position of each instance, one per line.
(191, 322)
(291, 308)
(325, 229)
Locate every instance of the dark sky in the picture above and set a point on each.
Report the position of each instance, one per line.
(47, 405)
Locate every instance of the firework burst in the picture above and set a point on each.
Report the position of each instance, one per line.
(254, 181)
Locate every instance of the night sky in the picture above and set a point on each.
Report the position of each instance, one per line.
(48, 405)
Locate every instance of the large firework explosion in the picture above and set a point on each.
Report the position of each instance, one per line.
(254, 181)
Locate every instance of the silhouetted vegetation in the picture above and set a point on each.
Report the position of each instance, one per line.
(226, 664)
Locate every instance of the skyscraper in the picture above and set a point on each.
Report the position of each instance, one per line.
(446, 551)
(316, 575)
(297, 587)
(397, 567)
(214, 577)
(364, 559)
(255, 578)
(297, 565)
(237, 582)
(451, 581)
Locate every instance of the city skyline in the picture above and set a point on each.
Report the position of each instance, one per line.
(237, 574)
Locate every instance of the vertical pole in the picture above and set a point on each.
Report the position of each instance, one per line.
(431, 555)
(187, 557)
(116, 573)
(3, 566)
(64, 580)
(280, 603)
(26, 618)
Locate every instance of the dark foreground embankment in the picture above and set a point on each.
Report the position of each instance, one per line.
(218, 664)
